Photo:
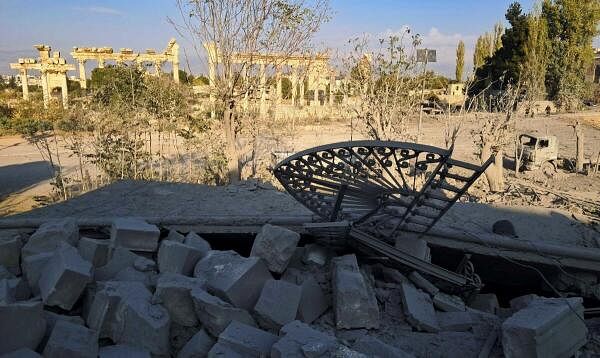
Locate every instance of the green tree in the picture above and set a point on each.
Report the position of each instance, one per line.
(535, 64)
(482, 50)
(460, 60)
(498, 32)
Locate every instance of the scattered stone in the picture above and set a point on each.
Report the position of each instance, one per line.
(278, 304)
(143, 264)
(216, 314)
(94, 250)
(418, 308)
(247, 340)
(130, 274)
(71, 340)
(545, 328)
(316, 254)
(51, 320)
(173, 291)
(21, 353)
(354, 301)
(422, 283)
(448, 303)
(198, 346)
(123, 351)
(313, 302)
(221, 350)
(486, 302)
(194, 240)
(174, 235)
(134, 234)
(455, 321)
(6, 295)
(300, 340)
(518, 303)
(50, 236)
(236, 279)
(120, 259)
(175, 257)
(179, 335)
(393, 275)
(10, 251)
(22, 325)
(33, 267)
(413, 245)
(276, 246)
(64, 278)
(373, 347)
(438, 345)
(504, 228)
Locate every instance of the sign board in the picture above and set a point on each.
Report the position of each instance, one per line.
(426, 55)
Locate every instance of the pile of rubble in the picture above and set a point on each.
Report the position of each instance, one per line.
(145, 292)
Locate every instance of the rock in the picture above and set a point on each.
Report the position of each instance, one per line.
(216, 314)
(130, 274)
(422, 283)
(276, 246)
(173, 291)
(518, 303)
(179, 335)
(22, 325)
(194, 240)
(455, 321)
(10, 251)
(235, 279)
(175, 236)
(438, 345)
(300, 340)
(119, 260)
(51, 320)
(418, 309)
(373, 347)
(486, 302)
(198, 346)
(134, 234)
(413, 245)
(313, 302)
(21, 353)
(94, 250)
(278, 304)
(50, 236)
(315, 254)
(175, 257)
(247, 340)
(71, 340)
(545, 328)
(123, 351)
(354, 302)
(64, 278)
(448, 303)
(33, 267)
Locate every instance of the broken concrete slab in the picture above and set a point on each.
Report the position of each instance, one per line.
(276, 246)
(235, 279)
(33, 267)
(71, 340)
(518, 303)
(64, 278)
(175, 257)
(22, 325)
(216, 314)
(123, 351)
(448, 303)
(195, 240)
(373, 347)
(174, 235)
(277, 304)
(247, 340)
(486, 302)
(10, 251)
(421, 282)
(49, 236)
(545, 328)
(21, 353)
(120, 259)
(413, 245)
(300, 340)
(94, 250)
(173, 292)
(354, 302)
(134, 234)
(198, 346)
(418, 309)
(313, 302)
(455, 321)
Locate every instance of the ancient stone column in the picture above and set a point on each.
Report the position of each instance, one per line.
(158, 70)
(263, 88)
(45, 89)
(100, 62)
(25, 84)
(316, 94)
(175, 61)
(331, 90)
(294, 81)
(82, 79)
(302, 91)
(64, 90)
(279, 86)
(211, 83)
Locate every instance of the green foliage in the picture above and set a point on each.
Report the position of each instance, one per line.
(460, 61)
(201, 80)
(117, 85)
(185, 78)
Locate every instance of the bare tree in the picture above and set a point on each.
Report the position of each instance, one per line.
(250, 27)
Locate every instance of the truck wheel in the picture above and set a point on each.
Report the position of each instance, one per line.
(549, 169)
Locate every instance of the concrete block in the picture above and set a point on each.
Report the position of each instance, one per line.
(94, 250)
(71, 340)
(175, 257)
(198, 346)
(422, 283)
(5, 273)
(49, 236)
(313, 302)
(195, 240)
(19, 289)
(247, 340)
(10, 251)
(215, 314)
(235, 279)
(354, 302)
(123, 351)
(373, 347)
(276, 246)
(221, 350)
(22, 325)
(120, 259)
(418, 309)
(413, 245)
(6, 295)
(277, 304)
(315, 254)
(393, 275)
(173, 292)
(518, 303)
(455, 321)
(545, 328)
(144, 264)
(134, 234)
(33, 267)
(300, 340)
(64, 278)
(448, 303)
(51, 320)
(21, 353)
(130, 274)
(486, 302)
(175, 236)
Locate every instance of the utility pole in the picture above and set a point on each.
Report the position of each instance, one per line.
(425, 56)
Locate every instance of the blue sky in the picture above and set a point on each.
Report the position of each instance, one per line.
(141, 24)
